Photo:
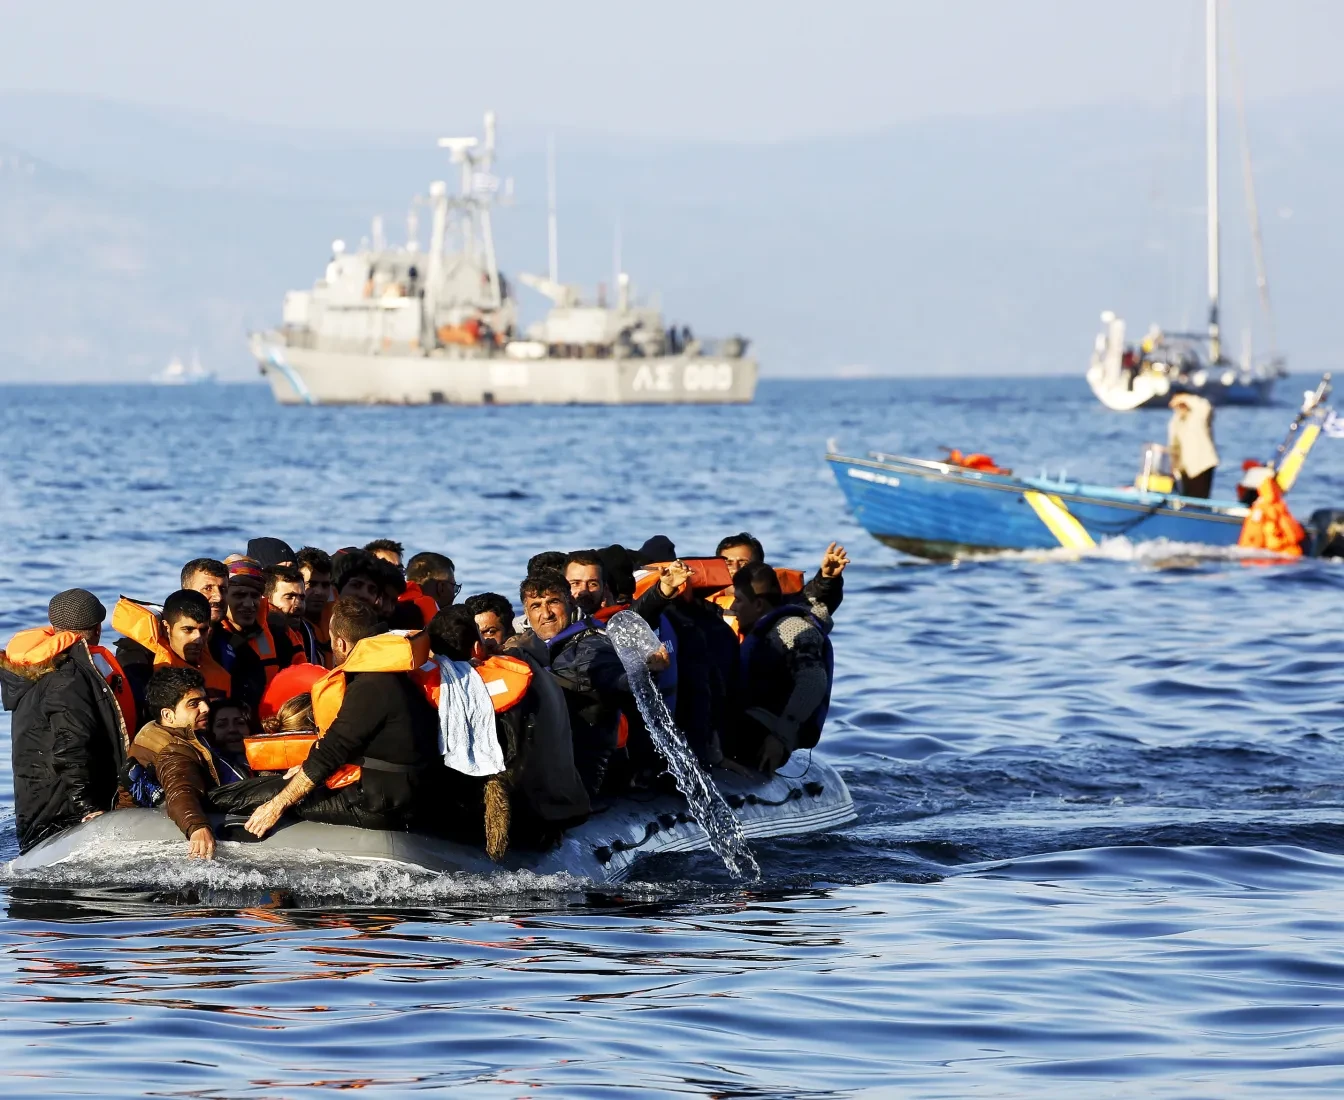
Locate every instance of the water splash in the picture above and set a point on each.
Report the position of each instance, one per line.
(634, 641)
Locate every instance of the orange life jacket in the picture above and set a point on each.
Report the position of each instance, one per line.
(142, 625)
(109, 668)
(39, 645)
(975, 462)
(1270, 525)
(790, 582)
(507, 679)
(391, 652)
(707, 574)
(46, 643)
(263, 642)
(415, 594)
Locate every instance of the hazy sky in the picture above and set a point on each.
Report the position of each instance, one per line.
(729, 69)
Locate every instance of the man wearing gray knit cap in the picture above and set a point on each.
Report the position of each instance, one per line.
(68, 735)
(79, 610)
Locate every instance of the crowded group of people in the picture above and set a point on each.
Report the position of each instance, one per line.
(355, 688)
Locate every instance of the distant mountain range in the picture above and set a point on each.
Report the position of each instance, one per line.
(951, 246)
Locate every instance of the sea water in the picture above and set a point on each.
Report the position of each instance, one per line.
(635, 642)
(1100, 842)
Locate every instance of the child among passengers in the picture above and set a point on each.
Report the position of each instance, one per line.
(230, 723)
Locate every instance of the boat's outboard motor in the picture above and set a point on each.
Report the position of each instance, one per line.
(1326, 532)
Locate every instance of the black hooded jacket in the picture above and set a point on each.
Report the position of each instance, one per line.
(596, 691)
(68, 742)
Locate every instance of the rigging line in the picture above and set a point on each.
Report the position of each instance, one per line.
(1248, 176)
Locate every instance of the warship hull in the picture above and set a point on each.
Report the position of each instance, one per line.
(312, 376)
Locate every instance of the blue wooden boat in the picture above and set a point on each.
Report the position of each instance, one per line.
(936, 510)
(945, 510)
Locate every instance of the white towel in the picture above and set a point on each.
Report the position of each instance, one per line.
(467, 740)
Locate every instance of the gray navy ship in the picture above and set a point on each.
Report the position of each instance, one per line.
(406, 326)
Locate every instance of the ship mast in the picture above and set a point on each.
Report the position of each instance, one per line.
(1211, 168)
(552, 229)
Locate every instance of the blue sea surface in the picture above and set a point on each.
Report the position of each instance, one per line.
(1100, 842)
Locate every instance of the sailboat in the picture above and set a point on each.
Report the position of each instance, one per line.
(177, 373)
(1126, 377)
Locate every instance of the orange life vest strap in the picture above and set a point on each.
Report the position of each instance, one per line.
(105, 661)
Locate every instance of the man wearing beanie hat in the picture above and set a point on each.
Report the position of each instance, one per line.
(68, 735)
(267, 552)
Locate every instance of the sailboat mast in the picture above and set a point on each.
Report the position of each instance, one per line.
(1211, 168)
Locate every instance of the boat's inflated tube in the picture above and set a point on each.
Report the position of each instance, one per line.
(603, 849)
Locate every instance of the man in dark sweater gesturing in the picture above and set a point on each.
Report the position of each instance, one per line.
(377, 733)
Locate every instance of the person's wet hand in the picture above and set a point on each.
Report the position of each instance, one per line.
(658, 660)
(675, 574)
(833, 561)
(90, 817)
(264, 817)
(293, 771)
(773, 755)
(202, 844)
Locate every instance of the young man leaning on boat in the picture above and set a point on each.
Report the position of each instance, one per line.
(177, 766)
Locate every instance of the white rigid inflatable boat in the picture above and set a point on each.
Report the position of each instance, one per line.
(603, 849)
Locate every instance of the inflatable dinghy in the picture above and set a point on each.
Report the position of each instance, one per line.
(603, 849)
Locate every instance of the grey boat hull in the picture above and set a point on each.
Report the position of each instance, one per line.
(603, 849)
(313, 376)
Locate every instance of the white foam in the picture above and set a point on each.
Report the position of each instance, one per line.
(307, 875)
(1154, 553)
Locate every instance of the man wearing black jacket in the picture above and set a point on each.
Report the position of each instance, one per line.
(579, 656)
(385, 726)
(67, 736)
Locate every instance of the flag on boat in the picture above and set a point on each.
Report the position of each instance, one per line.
(1333, 425)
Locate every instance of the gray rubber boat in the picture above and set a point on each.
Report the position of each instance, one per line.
(602, 850)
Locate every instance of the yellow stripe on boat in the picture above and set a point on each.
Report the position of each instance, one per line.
(1062, 523)
(1293, 460)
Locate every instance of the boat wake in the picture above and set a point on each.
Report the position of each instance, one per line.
(1154, 554)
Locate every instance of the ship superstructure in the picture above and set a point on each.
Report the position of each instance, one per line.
(439, 325)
